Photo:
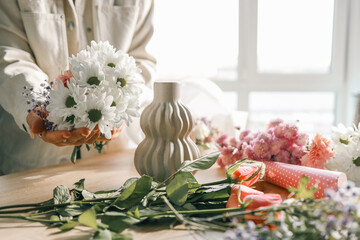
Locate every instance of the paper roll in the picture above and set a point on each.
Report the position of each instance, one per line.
(288, 175)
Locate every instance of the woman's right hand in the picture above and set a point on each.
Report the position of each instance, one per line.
(60, 138)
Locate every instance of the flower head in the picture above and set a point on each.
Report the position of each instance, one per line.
(319, 153)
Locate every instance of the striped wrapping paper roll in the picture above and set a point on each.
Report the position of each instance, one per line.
(288, 175)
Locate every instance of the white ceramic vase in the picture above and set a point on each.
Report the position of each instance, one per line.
(167, 124)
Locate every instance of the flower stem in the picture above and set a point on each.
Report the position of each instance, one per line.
(215, 183)
(33, 219)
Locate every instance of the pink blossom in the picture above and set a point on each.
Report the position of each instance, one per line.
(264, 136)
(275, 146)
(65, 78)
(275, 122)
(290, 131)
(319, 153)
(222, 140)
(244, 134)
(279, 131)
(250, 154)
(298, 152)
(301, 139)
(282, 156)
(234, 142)
(229, 155)
(261, 148)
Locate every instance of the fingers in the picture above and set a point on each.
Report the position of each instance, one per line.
(92, 138)
(114, 133)
(35, 123)
(56, 137)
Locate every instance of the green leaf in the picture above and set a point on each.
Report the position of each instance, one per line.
(202, 163)
(344, 141)
(80, 185)
(357, 161)
(134, 193)
(72, 210)
(61, 194)
(177, 190)
(118, 221)
(88, 218)
(233, 167)
(74, 153)
(121, 236)
(88, 147)
(68, 226)
(301, 192)
(102, 235)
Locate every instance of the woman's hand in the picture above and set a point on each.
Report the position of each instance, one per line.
(60, 138)
(114, 133)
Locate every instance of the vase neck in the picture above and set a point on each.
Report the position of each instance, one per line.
(166, 91)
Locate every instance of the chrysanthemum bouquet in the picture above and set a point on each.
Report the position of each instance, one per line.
(101, 89)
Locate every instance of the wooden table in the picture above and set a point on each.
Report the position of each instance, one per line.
(103, 172)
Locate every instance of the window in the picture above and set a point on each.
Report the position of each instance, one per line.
(276, 58)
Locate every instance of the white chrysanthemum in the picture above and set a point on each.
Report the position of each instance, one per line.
(346, 145)
(63, 104)
(103, 48)
(90, 74)
(97, 110)
(76, 61)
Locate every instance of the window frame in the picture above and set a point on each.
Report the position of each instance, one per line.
(250, 80)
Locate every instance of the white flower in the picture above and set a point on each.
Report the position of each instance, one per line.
(90, 74)
(346, 144)
(100, 47)
(201, 131)
(63, 104)
(97, 111)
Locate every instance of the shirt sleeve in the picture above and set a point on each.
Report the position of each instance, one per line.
(18, 68)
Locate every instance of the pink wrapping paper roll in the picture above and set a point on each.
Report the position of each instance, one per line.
(288, 175)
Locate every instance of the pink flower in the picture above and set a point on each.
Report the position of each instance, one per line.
(65, 78)
(261, 148)
(222, 140)
(319, 153)
(234, 142)
(244, 134)
(274, 123)
(290, 131)
(282, 156)
(279, 131)
(229, 155)
(264, 136)
(301, 139)
(275, 146)
(249, 153)
(298, 152)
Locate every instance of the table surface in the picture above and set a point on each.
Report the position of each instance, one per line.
(103, 172)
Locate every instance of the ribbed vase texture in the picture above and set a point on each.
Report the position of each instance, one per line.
(167, 124)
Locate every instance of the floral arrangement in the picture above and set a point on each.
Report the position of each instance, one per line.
(230, 205)
(346, 147)
(280, 142)
(205, 135)
(101, 90)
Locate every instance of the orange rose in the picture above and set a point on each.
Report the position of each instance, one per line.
(263, 200)
(245, 191)
(245, 172)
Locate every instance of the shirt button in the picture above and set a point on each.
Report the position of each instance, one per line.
(88, 29)
(71, 26)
